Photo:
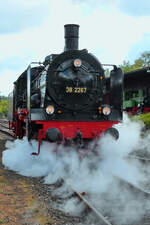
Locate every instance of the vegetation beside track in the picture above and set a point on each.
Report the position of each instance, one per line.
(18, 202)
(3, 108)
(145, 118)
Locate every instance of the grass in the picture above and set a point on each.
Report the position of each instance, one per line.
(2, 221)
(1, 171)
(4, 180)
(24, 184)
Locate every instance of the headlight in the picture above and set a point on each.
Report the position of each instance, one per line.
(50, 109)
(77, 62)
(106, 110)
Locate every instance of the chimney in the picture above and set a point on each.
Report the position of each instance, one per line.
(71, 37)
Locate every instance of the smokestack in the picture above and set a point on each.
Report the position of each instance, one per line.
(71, 37)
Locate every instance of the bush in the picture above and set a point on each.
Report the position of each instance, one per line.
(3, 108)
(145, 118)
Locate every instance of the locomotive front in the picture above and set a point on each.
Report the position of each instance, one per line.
(76, 94)
(75, 80)
(67, 98)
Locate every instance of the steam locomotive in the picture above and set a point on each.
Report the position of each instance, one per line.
(136, 97)
(65, 99)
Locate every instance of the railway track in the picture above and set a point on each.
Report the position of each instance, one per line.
(141, 158)
(138, 194)
(86, 211)
(4, 130)
(100, 218)
(136, 187)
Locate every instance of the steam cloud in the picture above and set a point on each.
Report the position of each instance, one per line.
(95, 174)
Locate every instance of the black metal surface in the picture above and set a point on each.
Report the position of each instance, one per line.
(20, 87)
(86, 115)
(113, 132)
(53, 134)
(138, 79)
(75, 93)
(71, 37)
(67, 115)
(116, 89)
(61, 75)
(134, 80)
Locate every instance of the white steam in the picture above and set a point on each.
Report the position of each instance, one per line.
(95, 174)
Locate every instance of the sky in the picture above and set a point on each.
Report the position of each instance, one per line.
(113, 30)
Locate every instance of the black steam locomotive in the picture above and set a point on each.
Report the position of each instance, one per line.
(65, 98)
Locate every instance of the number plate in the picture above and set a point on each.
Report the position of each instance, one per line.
(80, 90)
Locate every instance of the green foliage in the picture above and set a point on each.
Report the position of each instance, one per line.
(142, 61)
(2, 221)
(145, 118)
(126, 66)
(145, 58)
(3, 108)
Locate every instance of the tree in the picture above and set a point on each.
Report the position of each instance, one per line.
(145, 58)
(126, 66)
(141, 62)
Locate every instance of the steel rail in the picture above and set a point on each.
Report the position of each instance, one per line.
(138, 157)
(133, 185)
(7, 133)
(97, 213)
(1, 124)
